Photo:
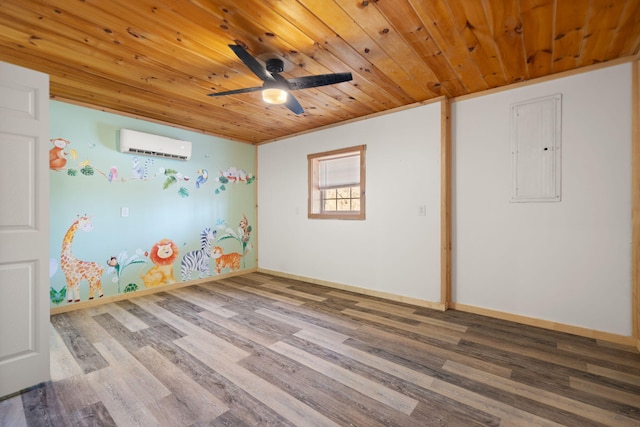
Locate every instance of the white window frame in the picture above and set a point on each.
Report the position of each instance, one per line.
(315, 208)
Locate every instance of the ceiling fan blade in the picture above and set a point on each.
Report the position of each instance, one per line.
(236, 91)
(293, 105)
(253, 64)
(318, 80)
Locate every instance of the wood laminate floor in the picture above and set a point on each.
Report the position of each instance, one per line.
(258, 350)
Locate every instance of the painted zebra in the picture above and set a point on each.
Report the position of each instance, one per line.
(198, 260)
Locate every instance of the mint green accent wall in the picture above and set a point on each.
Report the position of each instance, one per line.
(164, 203)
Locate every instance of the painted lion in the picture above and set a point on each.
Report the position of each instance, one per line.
(162, 254)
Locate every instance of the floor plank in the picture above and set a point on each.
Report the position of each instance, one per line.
(545, 397)
(188, 402)
(76, 393)
(78, 345)
(281, 402)
(124, 406)
(63, 364)
(360, 384)
(12, 412)
(42, 406)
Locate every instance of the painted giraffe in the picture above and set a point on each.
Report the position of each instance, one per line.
(76, 270)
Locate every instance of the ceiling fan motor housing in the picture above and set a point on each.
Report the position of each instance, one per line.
(275, 65)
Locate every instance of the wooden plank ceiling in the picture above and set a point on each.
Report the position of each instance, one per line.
(158, 59)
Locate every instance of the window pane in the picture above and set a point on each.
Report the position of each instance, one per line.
(344, 205)
(330, 205)
(346, 199)
(344, 193)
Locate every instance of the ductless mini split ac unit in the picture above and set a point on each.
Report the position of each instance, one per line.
(146, 144)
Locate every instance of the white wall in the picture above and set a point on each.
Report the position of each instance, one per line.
(394, 250)
(568, 262)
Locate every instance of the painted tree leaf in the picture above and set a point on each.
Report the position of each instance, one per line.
(87, 170)
(170, 171)
(222, 188)
(223, 179)
(183, 192)
(169, 181)
(226, 236)
(72, 172)
(57, 296)
(122, 256)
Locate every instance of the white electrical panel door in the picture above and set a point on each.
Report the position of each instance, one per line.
(535, 150)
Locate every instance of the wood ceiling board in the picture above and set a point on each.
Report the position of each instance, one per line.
(538, 34)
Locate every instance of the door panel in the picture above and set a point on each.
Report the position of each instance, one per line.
(24, 228)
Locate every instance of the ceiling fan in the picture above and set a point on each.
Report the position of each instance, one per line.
(275, 89)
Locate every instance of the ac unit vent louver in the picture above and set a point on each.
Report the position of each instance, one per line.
(147, 144)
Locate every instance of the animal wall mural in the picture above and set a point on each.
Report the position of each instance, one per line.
(150, 222)
(162, 254)
(76, 270)
(57, 155)
(230, 260)
(156, 266)
(198, 260)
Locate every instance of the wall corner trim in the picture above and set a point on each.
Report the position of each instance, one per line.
(635, 199)
(446, 197)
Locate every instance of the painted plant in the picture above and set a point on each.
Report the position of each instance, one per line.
(56, 296)
(173, 177)
(242, 235)
(117, 264)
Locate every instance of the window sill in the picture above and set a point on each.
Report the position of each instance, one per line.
(353, 216)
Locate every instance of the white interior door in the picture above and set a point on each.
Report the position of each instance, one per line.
(24, 228)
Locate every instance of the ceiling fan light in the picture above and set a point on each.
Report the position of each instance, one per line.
(274, 96)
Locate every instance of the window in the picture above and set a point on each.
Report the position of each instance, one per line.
(336, 184)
